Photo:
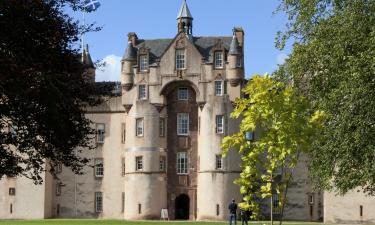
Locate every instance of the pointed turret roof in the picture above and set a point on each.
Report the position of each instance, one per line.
(87, 58)
(130, 53)
(184, 11)
(234, 46)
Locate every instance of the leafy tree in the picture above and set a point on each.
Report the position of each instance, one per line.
(42, 88)
(333, 65)
(283, 128)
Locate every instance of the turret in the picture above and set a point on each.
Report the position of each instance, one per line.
(87, 61)
(185, 20)
(235, 72)
(128, 61)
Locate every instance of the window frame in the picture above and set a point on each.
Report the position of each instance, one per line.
(184, 97)
(180, 62)
(99, 167)
(182, 165)
(98, 202)
(142, 92)
(143, 63)
(123, 168)
(100, 133)
(58, 189)
(218, 162)
(161, 127)
(123, 133)
(12, 191)
(162, 163)
(219, 62)
(139, 130)
(139, 163)
(220, 128)
(219, 84)
(239, 61)
(180, 129)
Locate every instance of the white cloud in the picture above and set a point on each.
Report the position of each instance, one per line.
(280, 59)
(112, 69)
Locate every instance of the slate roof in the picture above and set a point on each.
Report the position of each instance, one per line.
(234, 46)
(204, 45)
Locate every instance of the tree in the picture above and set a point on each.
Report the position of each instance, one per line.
(42, 89)
(284, 127)
(333, 65)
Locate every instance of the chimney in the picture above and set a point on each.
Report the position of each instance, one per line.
(240, 34)
(133, 38)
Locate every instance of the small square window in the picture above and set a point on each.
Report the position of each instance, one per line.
(219, 59)
(139, 127)
(219, 88)
(143, 63)
(183, 93)
(219, 162)
(220, 124)
(139, 163)
(12, 191)
(100, 131)
(141, 92)
(249, 135)
(99, 168)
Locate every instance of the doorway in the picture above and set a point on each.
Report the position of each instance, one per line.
(182, 207)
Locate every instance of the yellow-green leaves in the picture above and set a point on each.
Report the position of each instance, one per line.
(283, 127)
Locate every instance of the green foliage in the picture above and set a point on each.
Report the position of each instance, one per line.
(333, 65)
(283, 128)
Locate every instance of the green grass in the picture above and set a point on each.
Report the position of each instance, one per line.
(118, 222)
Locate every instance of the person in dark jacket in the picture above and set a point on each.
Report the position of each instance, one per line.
(244, 216)
(232, 212)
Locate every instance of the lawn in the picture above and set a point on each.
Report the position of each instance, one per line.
(118, 222)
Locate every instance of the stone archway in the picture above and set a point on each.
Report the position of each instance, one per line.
(182, 209)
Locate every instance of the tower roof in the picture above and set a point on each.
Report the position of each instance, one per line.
(234, 46)
(86, 60)
(184, 11)
(130, 53)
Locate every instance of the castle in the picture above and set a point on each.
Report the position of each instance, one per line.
(158, 143)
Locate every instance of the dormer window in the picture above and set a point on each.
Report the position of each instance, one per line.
(180, 59)
(219, 59)
(143, 63)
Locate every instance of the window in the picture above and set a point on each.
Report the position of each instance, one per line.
(311, 199)
(161, 127)
(100, 130)
(361, 210)
(182, 123)
(183, 94)
(180, 59)
(138, 163)
(123, 202)
(142, 92)
(58, 189)
(162, 163)
(143, 63)
(58, 168)
(11, 208)
(311, 211)
(219, 59)
(217, 209)
(99, 168)
(220, 124)
(139, 127)
(12, 191)
(182, 163)
(275, 204)
(219, 162)
(239, 61)
(123, 133)
(218, 87)
(123, 166)
(98, 202)
(139, 208)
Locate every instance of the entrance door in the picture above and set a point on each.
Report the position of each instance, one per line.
(182, 207)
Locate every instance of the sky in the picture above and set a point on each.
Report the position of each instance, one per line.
(157, 19)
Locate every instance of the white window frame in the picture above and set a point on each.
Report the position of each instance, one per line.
(161, 127)
(139, 127)
(219, 59)
(220, 124)
(183, 94)
(142, 92)
(183, 124)
(219, 87)
(98, 202)
(139, 163)
(180, 59)
(143, 63)
(100, 133)
(182, 163)
(219, 162)
(99, 167)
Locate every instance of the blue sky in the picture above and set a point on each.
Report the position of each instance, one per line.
(157, 19)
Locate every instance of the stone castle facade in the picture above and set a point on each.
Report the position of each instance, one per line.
(158, 143)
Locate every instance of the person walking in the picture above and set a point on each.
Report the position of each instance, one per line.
(244, 216)
(232, 212)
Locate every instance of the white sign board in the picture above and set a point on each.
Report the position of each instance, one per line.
(164, 214)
